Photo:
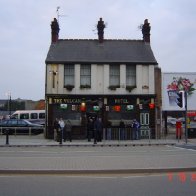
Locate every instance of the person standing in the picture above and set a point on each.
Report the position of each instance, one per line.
(62, 124)
(178, 129)
(135, 130)
(122, 130)
(56, 129)
(68, 131)
(90, 128)
(109, 131)
(98, 126)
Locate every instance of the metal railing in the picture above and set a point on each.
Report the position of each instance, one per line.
(21, 130)
(125, 134)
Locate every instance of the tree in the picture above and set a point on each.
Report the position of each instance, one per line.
(13, 105)
(40, 105)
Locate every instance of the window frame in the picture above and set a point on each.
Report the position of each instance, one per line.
(70, 74)
(24, 116)
(85, 76)
(34, 116)
(114, 76)
(131, 75)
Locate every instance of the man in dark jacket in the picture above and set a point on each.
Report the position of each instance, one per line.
(90, 128)
(68, 131)
(98, 127)
(122, 130)
(56, 130)
(135, 130)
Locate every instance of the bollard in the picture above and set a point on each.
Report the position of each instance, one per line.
(7, 136)
(149, 135)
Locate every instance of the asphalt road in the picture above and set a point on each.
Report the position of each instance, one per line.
(95, 158)
(175, 184)
(191, 147)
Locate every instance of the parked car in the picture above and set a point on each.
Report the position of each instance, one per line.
(34, 116)
(19, 126)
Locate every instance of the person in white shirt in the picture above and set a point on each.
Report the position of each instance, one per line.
(62, 124)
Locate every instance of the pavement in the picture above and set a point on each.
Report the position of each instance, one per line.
(68, 163)
(39, 140)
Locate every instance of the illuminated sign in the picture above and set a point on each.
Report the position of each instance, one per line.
(63, 106)
(117, 108)
(96, 108)
(64, 101)
(129, 107)
(151, 105)
(83, 107)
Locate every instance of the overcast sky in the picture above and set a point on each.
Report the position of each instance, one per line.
(26, 35)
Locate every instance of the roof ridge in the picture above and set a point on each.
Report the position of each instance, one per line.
(135, 40)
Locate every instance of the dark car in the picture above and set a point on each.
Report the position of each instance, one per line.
(22, 127)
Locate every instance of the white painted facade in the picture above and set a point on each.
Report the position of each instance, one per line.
(145, 83)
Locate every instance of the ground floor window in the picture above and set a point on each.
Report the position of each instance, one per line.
(144, 118)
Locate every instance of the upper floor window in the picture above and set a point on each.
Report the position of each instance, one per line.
(68, 75)
(85, 76)
(114, 75)
(130, 75)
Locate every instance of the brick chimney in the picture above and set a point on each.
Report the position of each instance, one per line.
(54, 31)
(146, 31)
(100, 29)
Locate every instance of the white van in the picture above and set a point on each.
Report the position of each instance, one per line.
(34, 116)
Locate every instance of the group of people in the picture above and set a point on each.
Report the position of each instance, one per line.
(95, 130)
(135, 132)
(62, 130)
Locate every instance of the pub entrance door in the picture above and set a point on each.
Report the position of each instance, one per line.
(144, 122)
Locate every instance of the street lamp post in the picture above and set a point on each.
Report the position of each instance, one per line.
(10, 106)
(9, 110)
(54, 73)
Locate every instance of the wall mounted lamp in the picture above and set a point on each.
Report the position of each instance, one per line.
(54, 73)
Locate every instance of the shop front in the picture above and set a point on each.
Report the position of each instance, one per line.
(110, 108)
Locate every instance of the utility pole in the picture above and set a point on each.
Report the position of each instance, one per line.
(9, 109)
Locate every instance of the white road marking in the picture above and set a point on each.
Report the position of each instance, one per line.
(185, 148)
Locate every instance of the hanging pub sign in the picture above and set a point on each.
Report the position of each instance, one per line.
(73, 107)
(151, 105)
(140, 106)
(117, 108)
(96, 108)
(129, 107)
(107, 108)
(63, 106)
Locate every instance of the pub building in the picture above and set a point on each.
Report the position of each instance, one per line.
(107, 78)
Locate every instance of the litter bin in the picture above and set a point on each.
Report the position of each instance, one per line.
(191, 133)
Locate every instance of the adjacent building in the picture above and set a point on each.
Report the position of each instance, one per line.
(109, 78)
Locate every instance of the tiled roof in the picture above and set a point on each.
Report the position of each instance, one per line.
(110, 51)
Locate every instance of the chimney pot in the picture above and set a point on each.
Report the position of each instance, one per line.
(100, 28)
(54, 31)
(146, 31)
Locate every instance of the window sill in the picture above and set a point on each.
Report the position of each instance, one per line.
(85, 86)
(114, 87)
